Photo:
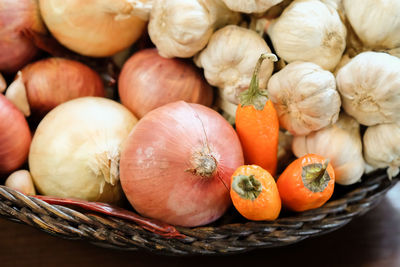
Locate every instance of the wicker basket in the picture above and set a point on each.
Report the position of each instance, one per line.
(230, 234)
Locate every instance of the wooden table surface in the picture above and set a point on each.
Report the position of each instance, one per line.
(370, 240)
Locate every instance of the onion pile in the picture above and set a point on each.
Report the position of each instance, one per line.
(52, 81)
(76, 149)
(148, 81)
(15, 137)
(177, 163)
(15, 49)
(95, 28)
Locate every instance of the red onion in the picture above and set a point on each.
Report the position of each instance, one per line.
(148, 81)
(15, 137)
(50, 82)
(15, 49)
(177, 162)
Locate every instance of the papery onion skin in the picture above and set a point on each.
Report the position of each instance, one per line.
(148, 81)
(15, 49)
(50, 82)
(158, 173)
(96, 28)
(76, 148)
(15, 137)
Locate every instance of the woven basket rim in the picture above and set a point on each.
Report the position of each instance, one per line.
(226, 238)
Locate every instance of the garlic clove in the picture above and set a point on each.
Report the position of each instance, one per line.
(16, 93)
(3, 84)
(21, 180)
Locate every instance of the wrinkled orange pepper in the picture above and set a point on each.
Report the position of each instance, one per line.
(307, 183)
(254, 193)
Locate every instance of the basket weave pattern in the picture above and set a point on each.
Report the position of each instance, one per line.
(227, 238)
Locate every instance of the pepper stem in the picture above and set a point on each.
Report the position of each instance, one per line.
(247, 187)
(315, 176)
(254, 96)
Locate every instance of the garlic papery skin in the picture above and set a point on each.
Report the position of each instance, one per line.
(183, 28)
(369, 86)
(341, 143)
(229, 60)
(376, 23)
(76, 149)
(309, 30)
(250, 6)
(305, 97)
(381, 147)
(96, 28)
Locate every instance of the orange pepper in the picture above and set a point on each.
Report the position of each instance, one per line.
(257, 124)
(307, 183)
(254, 193)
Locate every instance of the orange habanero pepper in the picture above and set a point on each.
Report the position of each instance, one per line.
(307, 183)
(254, 193)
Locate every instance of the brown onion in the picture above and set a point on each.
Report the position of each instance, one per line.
(15, 49)
(52, 81)
(95, 28)
(148, 81)
(15, 137)
(177, 162)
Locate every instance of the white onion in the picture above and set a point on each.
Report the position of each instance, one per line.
(95, 28)
(76, 148)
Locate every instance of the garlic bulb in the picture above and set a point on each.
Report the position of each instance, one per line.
(309, 30)
(341, 143)
(381, 147)
(305, 97)
(250, 6)
(183, 28)
(369, 86)
(376, 23)
(230, 67)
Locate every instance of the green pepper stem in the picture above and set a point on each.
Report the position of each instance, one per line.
(254, 96)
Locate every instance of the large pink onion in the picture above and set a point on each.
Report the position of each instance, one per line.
(177, 162)
(15, 49)
(15, 137)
